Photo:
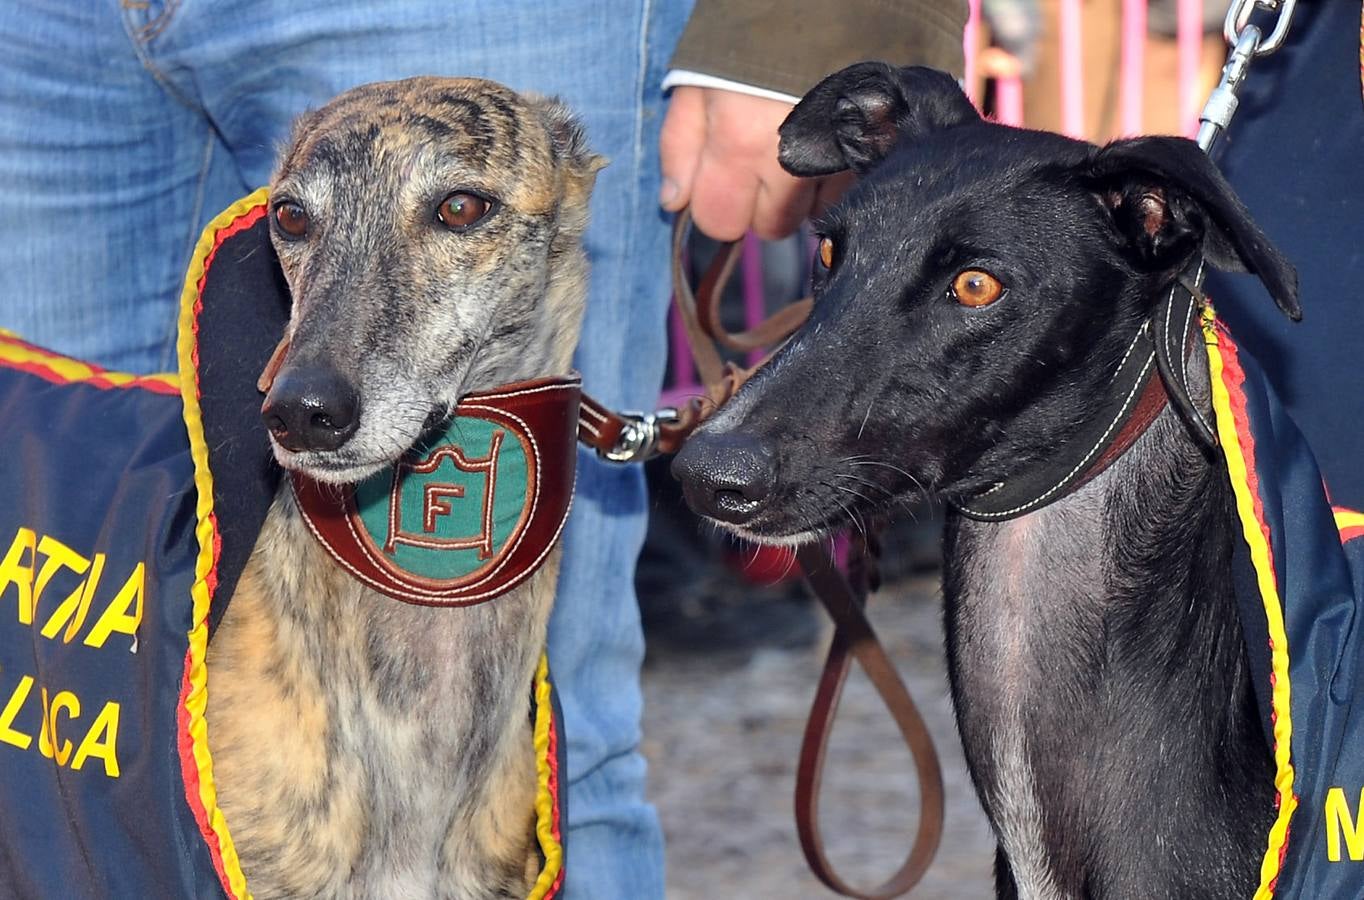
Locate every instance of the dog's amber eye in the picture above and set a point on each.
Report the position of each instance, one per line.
(826, 252)
(460, 210)
(291, 219)
(976, 288)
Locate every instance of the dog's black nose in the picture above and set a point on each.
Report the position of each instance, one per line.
(727, 476)
(311, 408)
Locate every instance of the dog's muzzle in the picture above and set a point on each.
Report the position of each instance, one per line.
(311, 408)
(728, 476)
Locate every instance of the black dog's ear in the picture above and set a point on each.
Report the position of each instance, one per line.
(855, 116)
(1168, 200)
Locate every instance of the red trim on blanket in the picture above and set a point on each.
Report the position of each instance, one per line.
(189, 769)
(1350, 522)
(553, 753)
(188, 762)
(98, 377)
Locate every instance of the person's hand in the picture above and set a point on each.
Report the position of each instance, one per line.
(718, 151)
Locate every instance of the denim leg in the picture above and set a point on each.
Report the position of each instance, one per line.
(596, 629)
(102, 173)
(250, 66)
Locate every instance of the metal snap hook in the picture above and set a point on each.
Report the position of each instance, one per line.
(639, 435)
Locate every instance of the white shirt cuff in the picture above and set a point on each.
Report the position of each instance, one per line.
(681, 77)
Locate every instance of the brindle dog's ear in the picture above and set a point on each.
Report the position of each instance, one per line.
(568, 140)
(854, 117)
(1168, 200)
(301, 126)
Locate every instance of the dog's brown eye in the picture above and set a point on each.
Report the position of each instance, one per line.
(826, 252)
(291, 219)
(460, 210)
(976, 288)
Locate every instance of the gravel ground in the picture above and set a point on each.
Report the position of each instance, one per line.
(722, 733)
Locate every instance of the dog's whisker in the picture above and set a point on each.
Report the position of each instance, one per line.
(756, 551)
(918, 485)
(853, 514)
(852, 518)
(885, 465)
(856, 479)
(867, 416)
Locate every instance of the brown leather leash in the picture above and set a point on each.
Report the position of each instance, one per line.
(629, 437)
(632, 437)
(854, 638)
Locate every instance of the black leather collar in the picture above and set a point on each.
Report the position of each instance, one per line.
(1154, 370)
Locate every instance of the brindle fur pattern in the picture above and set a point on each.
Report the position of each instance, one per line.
(364, 747)
(1096, 656)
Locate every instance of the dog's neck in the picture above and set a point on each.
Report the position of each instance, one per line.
(1098, 636)
(540, 341)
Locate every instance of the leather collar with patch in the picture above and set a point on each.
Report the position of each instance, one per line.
(468, 513)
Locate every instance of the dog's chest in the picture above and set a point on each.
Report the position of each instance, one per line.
(372, 747)
(1014, 612)
(413, 751)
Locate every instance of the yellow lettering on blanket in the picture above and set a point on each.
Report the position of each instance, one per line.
(1340, 821)
(59, 722)
(31, 564)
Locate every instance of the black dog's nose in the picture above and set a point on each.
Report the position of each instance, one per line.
(311, 408)
(727, 476)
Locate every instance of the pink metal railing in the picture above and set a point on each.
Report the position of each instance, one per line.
(1132, 65)
(1189, 39)
(1072, 70)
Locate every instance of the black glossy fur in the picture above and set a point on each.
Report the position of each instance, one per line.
(1095, 650)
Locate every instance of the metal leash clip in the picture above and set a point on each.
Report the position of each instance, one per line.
(639, 435)
(1247, 43)
(1237, 22)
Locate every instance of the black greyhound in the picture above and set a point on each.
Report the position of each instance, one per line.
(976, 293)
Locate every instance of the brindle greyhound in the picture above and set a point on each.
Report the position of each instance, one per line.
(975, 294)
(430, 232)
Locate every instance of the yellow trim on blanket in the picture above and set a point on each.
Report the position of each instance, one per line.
(550, 846)
(197, 699)
(1269, 594)
(69, 369)
(1348, 518)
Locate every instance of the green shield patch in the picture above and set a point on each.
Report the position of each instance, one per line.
(451, 508)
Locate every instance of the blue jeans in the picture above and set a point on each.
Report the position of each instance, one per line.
(124, 130)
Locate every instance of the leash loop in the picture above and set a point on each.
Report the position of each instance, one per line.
(855, 639)
(841, 596)
(700, 309)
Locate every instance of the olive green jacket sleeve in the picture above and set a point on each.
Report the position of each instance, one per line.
(789, 45)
